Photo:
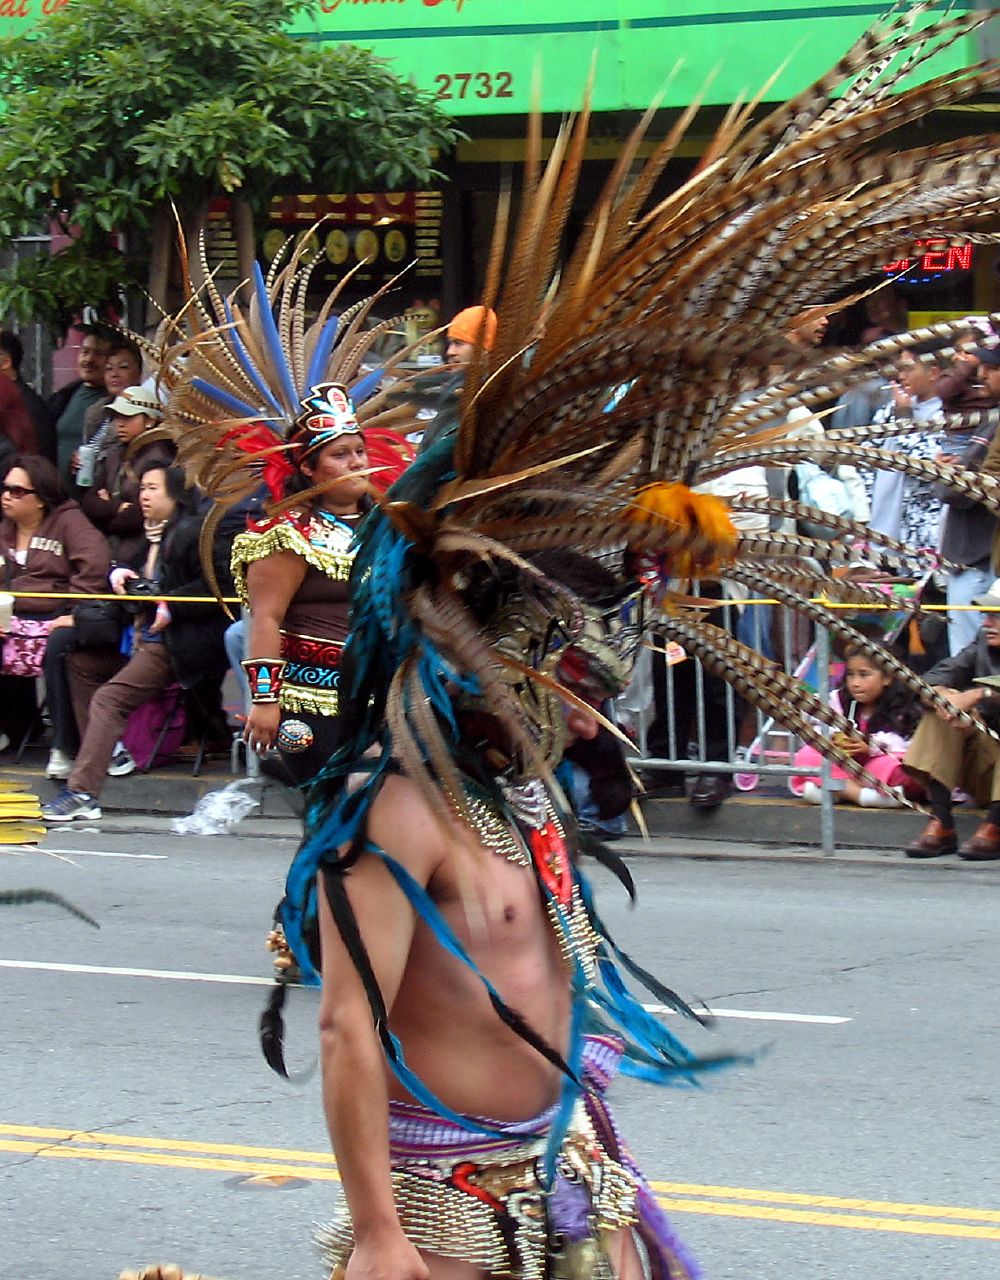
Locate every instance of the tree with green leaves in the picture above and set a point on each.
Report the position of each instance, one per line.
(113, 116)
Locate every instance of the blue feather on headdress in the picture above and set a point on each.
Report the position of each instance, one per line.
(247, 365)
(321, 352)
(366, 387)
(272, 339)
(228, 400)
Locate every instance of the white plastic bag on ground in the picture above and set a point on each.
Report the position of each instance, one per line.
(219, 811)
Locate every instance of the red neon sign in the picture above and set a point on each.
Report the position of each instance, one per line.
(938, 255)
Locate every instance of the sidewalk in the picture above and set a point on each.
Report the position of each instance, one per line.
(758, 827)
(170, 791)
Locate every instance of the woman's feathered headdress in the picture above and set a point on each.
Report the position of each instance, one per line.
(254, 387)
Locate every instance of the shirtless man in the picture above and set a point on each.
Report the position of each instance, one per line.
(426, 1199)
(474, 1063)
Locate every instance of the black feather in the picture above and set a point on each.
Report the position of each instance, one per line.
(22, 897)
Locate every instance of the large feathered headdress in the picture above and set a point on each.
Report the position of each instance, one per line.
(656, 364)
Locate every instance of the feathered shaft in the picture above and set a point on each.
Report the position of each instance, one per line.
(982, 488)
(27, 897)
(841, 525)
(810, 580)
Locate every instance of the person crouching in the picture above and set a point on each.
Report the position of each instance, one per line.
(946, 755)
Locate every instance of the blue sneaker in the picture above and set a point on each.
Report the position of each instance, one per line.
(69, 805)
(122, 763)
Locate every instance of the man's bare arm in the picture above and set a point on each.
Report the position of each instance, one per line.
(354, 1087)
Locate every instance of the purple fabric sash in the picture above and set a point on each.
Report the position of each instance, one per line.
(418, 1134)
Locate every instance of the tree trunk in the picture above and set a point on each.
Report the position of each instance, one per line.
(241, 216)
(162, 238)
(195, 221)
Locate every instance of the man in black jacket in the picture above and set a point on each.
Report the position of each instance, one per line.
(945, 754)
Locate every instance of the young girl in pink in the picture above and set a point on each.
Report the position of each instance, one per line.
(883, 710)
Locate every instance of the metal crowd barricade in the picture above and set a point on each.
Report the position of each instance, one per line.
(771, 629)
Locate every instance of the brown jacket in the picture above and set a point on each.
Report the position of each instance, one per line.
(66, 553)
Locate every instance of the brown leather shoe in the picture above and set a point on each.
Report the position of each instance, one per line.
(934, 841)
(983, 846)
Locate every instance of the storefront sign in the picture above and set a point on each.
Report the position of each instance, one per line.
(483, 57)
(933, 257)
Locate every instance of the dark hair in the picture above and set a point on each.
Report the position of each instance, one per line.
(489, 584)
(45, 479)
(932, 351)
(183, 494)
(14, 347)
(121, 343)
(103, 332)
(897, 709)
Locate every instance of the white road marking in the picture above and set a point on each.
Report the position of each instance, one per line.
(102, 853)
(759, 1015)
(231, 979)
(245, 980)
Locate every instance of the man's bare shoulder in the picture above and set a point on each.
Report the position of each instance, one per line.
(402, 822)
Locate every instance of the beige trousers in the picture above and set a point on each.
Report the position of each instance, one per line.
(955, 759)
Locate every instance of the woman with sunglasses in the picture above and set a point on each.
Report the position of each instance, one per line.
(47, 545)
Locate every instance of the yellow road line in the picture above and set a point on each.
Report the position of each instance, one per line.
(870, 1215)
(826, 1202)
(164, 1144)
(48, 1152)
(904, 1226)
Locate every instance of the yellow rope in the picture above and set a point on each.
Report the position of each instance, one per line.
(857, 606)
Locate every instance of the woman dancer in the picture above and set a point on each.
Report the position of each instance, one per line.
(291, 572)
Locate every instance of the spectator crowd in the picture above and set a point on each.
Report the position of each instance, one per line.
(92, 507)
(92, 504)
(944, 395)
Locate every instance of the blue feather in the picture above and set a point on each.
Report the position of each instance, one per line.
(228, 401)
(570, 1091)
(321, 352)
(366, 386)
(269, 331)
(248, 366)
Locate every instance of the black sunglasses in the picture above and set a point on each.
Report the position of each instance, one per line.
(17, 490)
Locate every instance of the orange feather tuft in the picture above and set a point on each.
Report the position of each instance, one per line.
(708, 537)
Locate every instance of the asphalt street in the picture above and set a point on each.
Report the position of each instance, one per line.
(140, 1124)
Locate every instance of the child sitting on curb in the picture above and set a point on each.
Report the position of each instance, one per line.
(888, 714)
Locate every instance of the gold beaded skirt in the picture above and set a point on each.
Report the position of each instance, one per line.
(485, 1203)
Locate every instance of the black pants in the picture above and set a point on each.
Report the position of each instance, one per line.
(685, 704)
(18, 707)
(65, 735)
